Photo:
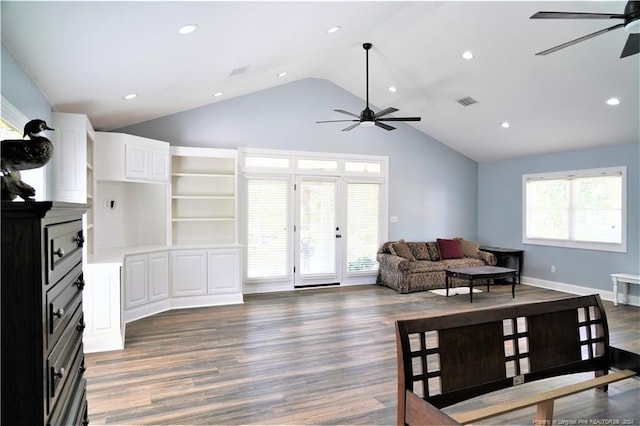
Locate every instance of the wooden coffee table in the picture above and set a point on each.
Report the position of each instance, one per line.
(475, 273)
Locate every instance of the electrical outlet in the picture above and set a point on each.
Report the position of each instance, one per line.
(518, 380)
(553, 269)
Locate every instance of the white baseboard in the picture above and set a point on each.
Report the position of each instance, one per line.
(111, 342)
(181, 302)
(580, 290)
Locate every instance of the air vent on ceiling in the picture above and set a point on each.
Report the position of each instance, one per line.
(239, 71)
(467, 101)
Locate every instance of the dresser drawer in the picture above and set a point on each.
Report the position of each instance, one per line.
(66, 360)
(62, 301)
(64, 248)
(72, 409)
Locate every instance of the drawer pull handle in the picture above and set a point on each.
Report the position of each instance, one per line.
(81, 326)
(59, 252)
(58, 373)
(59, 313)
(79, 239)
(82, 369)
(79, 283)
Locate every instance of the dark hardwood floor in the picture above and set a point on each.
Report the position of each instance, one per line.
(318, 356)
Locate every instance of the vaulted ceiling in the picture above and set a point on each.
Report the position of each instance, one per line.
(85, 56)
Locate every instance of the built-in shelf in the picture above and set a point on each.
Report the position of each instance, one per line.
(203, 196)
(89, 238)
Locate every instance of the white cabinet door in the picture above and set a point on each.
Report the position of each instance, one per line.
(158, 276)
(143, 163)
(122, 157)
(101, 306)
(135, 281)
(158, 165)
(69, 162)
(136, 166)
(189, 272)
(223, 271)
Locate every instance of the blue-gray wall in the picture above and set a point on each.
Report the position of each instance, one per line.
(20, 91)
(500, 216)
(432, 188)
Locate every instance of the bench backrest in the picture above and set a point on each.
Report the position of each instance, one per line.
(450, 358)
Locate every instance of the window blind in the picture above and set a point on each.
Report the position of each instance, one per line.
(267, 232)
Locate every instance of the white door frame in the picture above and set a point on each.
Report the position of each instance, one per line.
(315, 279)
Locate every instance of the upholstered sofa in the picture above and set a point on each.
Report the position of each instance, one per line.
(418, 266)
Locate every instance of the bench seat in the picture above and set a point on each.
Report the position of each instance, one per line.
(443, 360)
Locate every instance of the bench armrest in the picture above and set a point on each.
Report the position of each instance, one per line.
(420, 412)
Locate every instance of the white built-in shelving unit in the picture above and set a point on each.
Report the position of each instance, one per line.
(91, 139)
(203, 196)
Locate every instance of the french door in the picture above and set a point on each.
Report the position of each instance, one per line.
(317, 242)
(312, 230)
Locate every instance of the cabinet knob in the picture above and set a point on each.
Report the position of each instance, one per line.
(81, 326)
(59, 252)
(79, 283)
(59, 313)
(59, 373)
(82, 369)
(79, 239)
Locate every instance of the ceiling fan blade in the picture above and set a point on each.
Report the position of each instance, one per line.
(341, 111)
(353, 126)
(632, 46)
(578, 40)
(334, 121)
(384, 126)
(575, 15)
(385, 111)
(401, 119)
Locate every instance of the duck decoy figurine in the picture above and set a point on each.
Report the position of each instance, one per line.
(24, 154)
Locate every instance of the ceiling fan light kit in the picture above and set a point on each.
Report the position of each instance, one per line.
(631, 24)
(367, 117)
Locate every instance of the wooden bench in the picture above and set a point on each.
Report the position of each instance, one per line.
(443, 360)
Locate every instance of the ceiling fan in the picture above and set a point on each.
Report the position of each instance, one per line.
(631, 24)
(367, 117)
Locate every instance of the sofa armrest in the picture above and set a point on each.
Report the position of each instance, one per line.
(392, 262)
(488, 258)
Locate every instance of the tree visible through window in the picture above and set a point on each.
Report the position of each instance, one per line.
(582, 209)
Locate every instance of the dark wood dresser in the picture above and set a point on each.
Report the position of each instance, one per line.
(42, 320)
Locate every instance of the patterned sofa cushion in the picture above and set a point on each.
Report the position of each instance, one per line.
(434, 251)
(419, 250)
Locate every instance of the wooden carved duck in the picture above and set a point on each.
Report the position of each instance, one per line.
(24, 154)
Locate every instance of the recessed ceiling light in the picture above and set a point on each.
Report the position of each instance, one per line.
(505, 125)
(467, 55)
(130, 96)
(186, 29)
(282, 74)
(333, 29)
(613, 101)
(217, 94)
(393, 89)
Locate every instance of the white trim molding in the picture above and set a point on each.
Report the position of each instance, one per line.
(575, 289)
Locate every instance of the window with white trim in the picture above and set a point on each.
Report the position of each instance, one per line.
(579, 209)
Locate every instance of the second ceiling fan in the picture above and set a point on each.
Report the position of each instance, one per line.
(631, 23)
(367, 117)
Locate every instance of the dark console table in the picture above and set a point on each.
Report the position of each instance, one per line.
(506, 257)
